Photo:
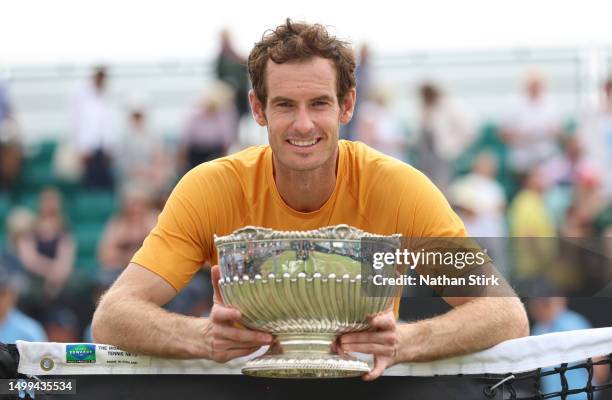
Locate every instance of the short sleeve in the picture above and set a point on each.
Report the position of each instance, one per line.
(177, 248)
(429, 211)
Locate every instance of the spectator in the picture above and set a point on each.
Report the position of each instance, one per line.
(480, 199)
(6, 109)
(379, 128)
(563, 168)
(560, 174)
(588, 201)
(94, 130)
(141, 157)
(62, 325)
(596, 134)
(20, 224)
(211, 129)
(15, 325)
(125, 232)
(231, 68)
(48, 250)
(446, 131)
(364, 86)
(528, 214)
(481, 203)
(531, 126)
(550, 314)
(529, 218)
(11, 152)
(364, 72)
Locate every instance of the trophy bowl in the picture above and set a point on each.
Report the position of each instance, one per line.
(305, 288)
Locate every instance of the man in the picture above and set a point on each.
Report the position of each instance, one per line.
(531, 126)
(303, 89)
(94, 131)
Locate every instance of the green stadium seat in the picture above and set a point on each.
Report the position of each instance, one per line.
(5, 207)
(28, 199)
(36, 176)
(43, 152)
(489, 140)
(87, 236)
(87, 265)
(92, 207)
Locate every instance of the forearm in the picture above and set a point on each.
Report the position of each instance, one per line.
(473, 326)
(142, 327)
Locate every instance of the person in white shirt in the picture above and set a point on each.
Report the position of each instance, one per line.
(531, 126)
(94, 129)
(446, 132)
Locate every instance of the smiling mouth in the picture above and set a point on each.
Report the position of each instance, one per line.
(303, 143)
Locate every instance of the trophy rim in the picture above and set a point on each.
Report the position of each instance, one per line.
(340, 232)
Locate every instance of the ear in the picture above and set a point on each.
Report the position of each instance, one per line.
(348, 106)
(257, 108)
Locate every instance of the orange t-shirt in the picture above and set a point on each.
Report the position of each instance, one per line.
(373, 192)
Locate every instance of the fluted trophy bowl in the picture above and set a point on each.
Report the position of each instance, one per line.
(305, 288)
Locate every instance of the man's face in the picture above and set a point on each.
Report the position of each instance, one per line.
(302, 113)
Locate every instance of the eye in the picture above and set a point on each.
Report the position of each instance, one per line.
(320, 103)
(283, 104)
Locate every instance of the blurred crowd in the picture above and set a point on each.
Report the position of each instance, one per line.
(528, 174)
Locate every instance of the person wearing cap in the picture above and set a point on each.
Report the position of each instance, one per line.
(303, 90)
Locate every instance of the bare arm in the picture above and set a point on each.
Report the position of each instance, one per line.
(483, 316)
(473, 325)
(64, 261)
(490, 316)
(61, 266)
(130, 316)
(31, 259)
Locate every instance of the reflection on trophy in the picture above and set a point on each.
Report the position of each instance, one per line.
(306, 288)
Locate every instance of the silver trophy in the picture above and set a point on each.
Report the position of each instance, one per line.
(305, 288)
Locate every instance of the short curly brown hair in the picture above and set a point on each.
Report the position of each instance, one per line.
(299, 41)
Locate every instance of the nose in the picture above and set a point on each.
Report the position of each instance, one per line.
(302, 123)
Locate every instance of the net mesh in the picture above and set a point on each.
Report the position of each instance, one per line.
(528, 385)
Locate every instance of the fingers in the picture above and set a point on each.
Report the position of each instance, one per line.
(228, 345)
(215, 275)
(384, 338)
(383, 322)
(221, 314)
(243, 336)
(370, 348)
(336, 347)
(227, 341)
(380, 364)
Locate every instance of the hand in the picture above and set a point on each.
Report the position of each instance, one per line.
(381, 340)
(226, 340)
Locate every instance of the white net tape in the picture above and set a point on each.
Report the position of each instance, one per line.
(512, 356)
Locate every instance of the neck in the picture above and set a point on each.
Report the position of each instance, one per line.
(306, 191)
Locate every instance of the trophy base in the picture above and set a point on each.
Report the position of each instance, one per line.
(305, 356)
